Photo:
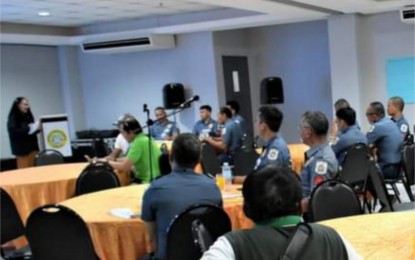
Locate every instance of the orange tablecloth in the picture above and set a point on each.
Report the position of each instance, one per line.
(127, 239)
(36, 186)
(297, 155)
(379, 236)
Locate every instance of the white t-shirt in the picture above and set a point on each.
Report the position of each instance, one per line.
(122, 144)
(222, 250)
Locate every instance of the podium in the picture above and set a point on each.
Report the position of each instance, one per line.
(55, 134)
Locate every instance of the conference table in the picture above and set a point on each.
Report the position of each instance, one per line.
(374, 236)
(127, 239)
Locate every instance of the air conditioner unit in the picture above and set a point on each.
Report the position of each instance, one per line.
(131, 44)
(408, 14)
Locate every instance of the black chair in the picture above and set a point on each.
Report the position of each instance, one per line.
(57, 232)
(11, 227)
(244, 161)
(194, 230)
(378, 188)
(409, 169)
(355, 167)
(333, 199)
(49, 157)
(248, 142)
(95, 177)
(210, 163)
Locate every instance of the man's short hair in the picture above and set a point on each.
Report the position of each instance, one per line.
(378, 108)
(317, 121)
(186, 150)
(225, 111)
(234, 105)
(129, 124)
(271, 116)
(271, 192)
(341, 103)
(348, 115)
(398, 102)
(160, 108)
(206, 107)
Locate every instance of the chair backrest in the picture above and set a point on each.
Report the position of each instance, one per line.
(333, 199)
(248, 142)
(355, 168)
(164, 160)
(408, 163)
(194, 230)
(244, 161)
(377, 183)
(210, 163)
(49, 157)
(11, 223)
(95, 177)
(57, 232)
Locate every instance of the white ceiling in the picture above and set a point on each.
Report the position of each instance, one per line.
(84, 12)
(84, 20)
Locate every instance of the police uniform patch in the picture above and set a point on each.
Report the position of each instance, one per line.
(372, 127)
(404, 128)
(210, 126)
(224, 131)
(273, 154)
(321, 167)
(169, 126)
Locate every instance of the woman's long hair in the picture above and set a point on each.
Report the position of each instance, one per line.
(17, 113)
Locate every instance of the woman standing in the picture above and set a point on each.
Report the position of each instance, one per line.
(22, 133)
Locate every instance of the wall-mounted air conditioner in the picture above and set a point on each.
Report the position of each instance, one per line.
(408, 14)
(152, 42)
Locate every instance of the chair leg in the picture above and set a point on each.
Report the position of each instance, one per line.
(408, 190)
(396, 191)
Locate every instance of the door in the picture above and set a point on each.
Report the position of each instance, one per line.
(236, 77)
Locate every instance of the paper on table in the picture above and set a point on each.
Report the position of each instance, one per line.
(231, 195)
(125, 213)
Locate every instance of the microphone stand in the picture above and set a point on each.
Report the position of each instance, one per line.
(149, 124)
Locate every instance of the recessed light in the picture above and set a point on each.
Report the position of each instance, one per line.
(43, 13)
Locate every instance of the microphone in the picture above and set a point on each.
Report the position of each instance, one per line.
(189, 101)
(145, 109)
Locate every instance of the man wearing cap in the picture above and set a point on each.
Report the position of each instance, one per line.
(163, 129)
(320, 162)
(138, 155)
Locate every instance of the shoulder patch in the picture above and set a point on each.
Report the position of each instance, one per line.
(224, 131)
(372, 127)
(169, 126)
(210, 126)
(321, 167)
(273, 154)
(404, 128)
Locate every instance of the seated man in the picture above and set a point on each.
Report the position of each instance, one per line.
(234, 107)
(170, 195)
(231, 137)
(206, 126)
(138, 155)
(163, 129)
(334, 131)
(320, 162)
(395, 110)
(272, 198)
(386, 138)
(349, 133)
(276, 150)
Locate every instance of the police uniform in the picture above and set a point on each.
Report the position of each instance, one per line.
(387, 138)
(346, 139)
(403, 126)
(232, 138)
(275, 152)
(208, 128)
(238, 119)
(320, 165)
(160, 131)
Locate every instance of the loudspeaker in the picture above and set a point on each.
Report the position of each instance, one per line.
(272, 91)
(173, 95)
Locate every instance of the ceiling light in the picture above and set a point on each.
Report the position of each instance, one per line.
(43, 13)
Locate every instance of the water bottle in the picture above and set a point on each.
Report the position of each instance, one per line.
(227, 175)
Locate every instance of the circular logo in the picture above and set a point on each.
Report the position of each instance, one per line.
(57, 138)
